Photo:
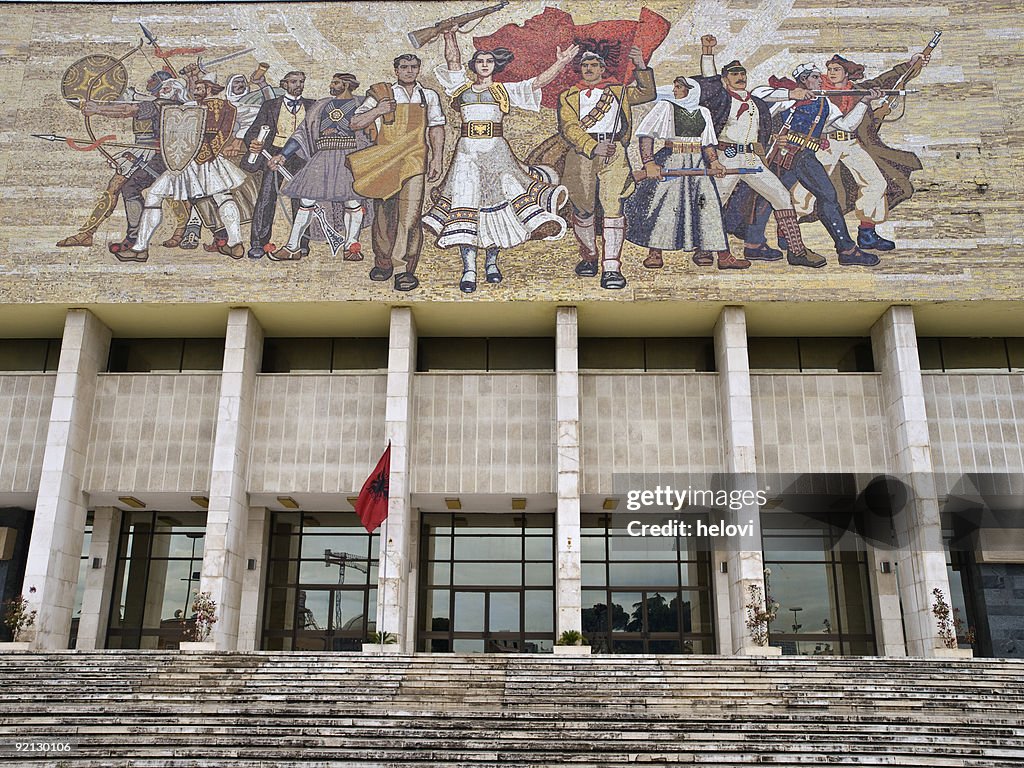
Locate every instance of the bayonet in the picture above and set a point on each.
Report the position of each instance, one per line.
(71, 142)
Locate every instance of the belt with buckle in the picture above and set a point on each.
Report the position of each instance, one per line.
(683, 146)
(841, 136)
(481, 129)
(731, 150)
(605, 136)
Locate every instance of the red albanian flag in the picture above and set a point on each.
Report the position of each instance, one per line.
(372, 504)
(534, 43)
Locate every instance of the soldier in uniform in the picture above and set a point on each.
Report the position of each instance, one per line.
(146, 127)
(869, 176)
(281, 117)
(595, 116)
(806, 118)
(148, 164)
(208, 174)
(324, 141)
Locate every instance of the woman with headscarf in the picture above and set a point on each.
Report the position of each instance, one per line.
(677, 213)
(489, 198)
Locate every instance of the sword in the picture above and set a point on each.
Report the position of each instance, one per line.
(334, 240)
(205, 66)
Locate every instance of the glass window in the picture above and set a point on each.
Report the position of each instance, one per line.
(501, 573)
(360, 354)
(322, 580)
(451, 354)
(202, 355)
(680, 354)
(773, 354)
(521, 354)
(30, 355)
(822, 588)
(162, 355)
(1015, 351)
(930, 352)
(836, 354)
(611, 353)
(652, 599)
(157, 572)
(974, 354)
(283, 355)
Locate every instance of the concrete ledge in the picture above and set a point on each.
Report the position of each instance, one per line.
(759, 650)
(206, 646)
(382, 648)
(571, 650)
(953, 653)
(15, 647)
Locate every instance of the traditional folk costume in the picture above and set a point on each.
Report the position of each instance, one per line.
(682, 212)
(805, 123)
(207, 175)
(282, 116)
(393, 173)
(743, 123)
(489, 198)
(325, 140)
(589, 114)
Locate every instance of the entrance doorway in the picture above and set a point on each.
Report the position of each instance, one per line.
(486, 583)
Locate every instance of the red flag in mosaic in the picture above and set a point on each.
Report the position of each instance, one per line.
(372, 504)
(534, 43)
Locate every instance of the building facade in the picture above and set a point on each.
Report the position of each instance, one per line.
(197, 422)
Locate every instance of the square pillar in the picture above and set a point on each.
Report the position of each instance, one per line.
(568, 569)
(745, 557)
(257, 547)
(394, 597)
(99, 582)
(885, 603)
(58, 527)
(921, 560)
(227, 519)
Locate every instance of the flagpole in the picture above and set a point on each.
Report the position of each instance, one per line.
(383, 547)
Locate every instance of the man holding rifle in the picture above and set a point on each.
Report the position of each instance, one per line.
(878, 175)
(807, 118)
(744, 126)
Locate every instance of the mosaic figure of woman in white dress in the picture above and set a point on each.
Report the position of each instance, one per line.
(490, 199)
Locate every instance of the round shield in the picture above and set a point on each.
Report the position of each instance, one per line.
(98, 77)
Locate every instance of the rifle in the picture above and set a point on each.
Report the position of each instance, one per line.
(889, 104)
(421, 37)
(860, 92)
(642, 175)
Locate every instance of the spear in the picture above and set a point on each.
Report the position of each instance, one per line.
(85, 144)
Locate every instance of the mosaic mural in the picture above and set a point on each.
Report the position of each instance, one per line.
(706, 150)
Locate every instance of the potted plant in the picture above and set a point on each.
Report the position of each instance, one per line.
(204, 616)
(948, 622)
(760, 613)
(382, 642)
(571, 643)
(18, 618)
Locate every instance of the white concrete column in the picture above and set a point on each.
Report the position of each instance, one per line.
(921, 561)
(227, 519)
(99, 582)
(568, 570)
(745, 557)
(885, 603)
(58, 526)
(257, 546)
(723, 616)
(396, 570)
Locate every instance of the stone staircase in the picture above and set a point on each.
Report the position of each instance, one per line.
(174, 710)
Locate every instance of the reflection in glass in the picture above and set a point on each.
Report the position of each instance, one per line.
(469, 612)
